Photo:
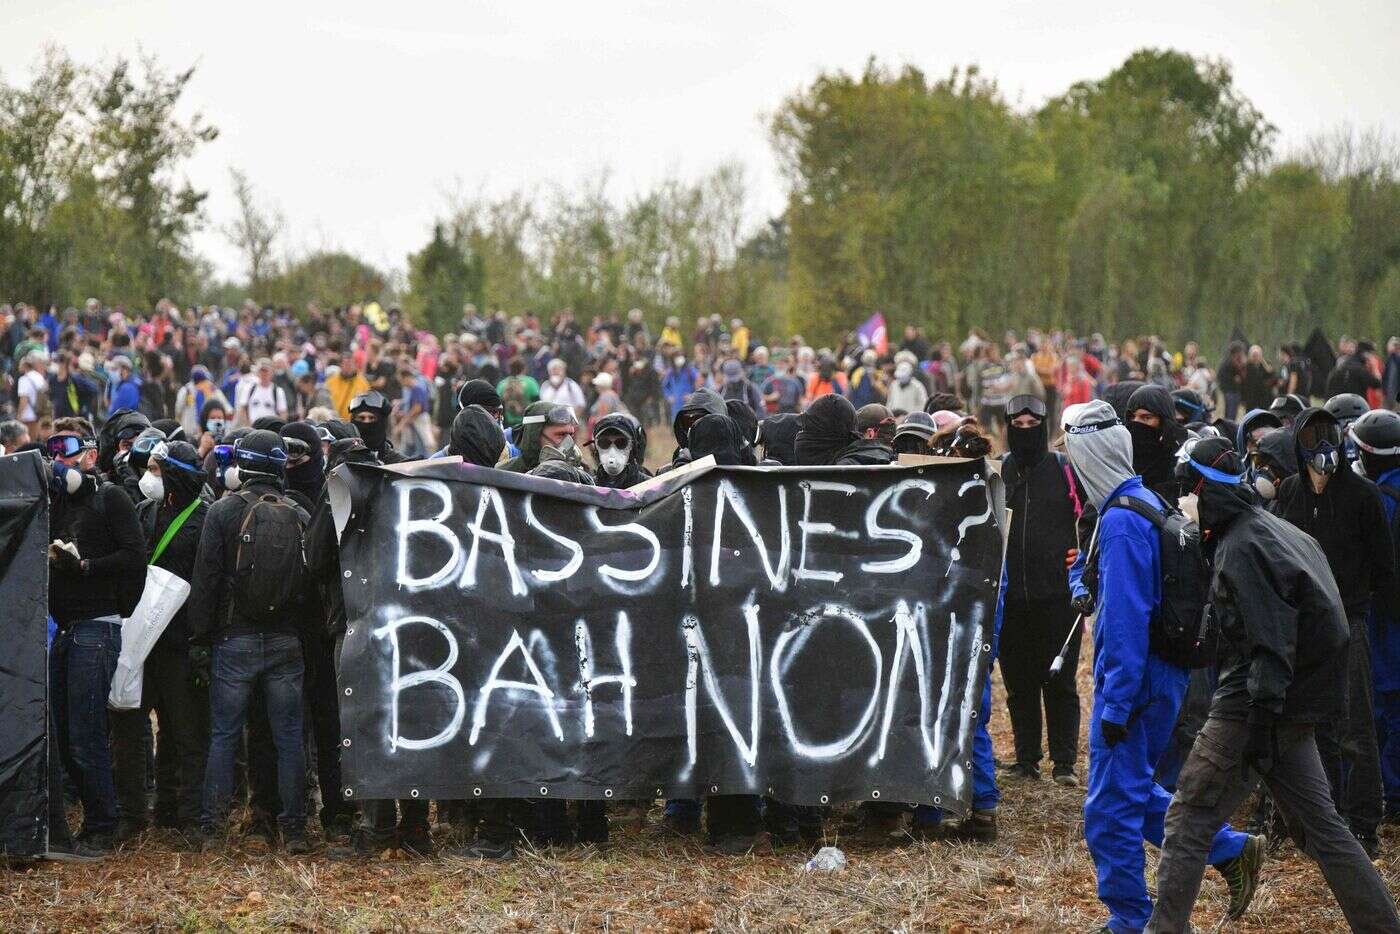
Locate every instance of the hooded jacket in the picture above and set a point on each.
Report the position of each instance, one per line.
(778, 435)
(101, 521)
(477, 437)
(322, 546)
(701, 402)
(1154, 449)
(827, 435)
(633, 473)
(305, 480)
(121, 421)
(530, 441)
(1349, 522)
(717, 436)
(556, 465)
(1045, 503)
(181, 488)
(1279, 612)
(1254, 418)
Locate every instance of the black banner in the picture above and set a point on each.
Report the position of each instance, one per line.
(24, 594)
(815, 635)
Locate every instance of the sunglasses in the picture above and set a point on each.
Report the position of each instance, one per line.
(67, 445)
(612, 440)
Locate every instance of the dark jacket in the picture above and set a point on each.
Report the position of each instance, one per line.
(1281, 618)
(864, 452)
(102, 522)
(210, 616)
(530, 441)
(178, 558)
(634, 472)
(1351, 375)
(322, 545)
(702, 402)
(1349, 522)
(1043, 528)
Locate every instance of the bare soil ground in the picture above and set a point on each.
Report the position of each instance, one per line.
(1036, 877)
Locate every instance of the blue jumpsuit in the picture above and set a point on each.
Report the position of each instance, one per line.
(1385, 673)
(1132, 687)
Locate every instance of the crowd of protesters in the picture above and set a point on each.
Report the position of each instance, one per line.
(198, 440)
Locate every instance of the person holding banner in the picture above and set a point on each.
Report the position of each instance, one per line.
(96, 572)
(171, 518)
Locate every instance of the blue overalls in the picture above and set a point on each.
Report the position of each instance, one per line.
(1133, 688)
(1385, 672)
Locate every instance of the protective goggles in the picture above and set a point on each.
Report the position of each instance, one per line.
(1191, 410)
(223, 455)
(67, 445)
(274, 459)
(146, 445)
(1319, 432)
(324, 434)
(1184, 459)
(161, 455)
(373, 399)
(1025, 405)
(557, 415)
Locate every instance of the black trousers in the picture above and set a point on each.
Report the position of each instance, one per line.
(1031, 635)
(182, 742)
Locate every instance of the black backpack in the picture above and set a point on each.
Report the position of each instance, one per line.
(1182, 630)
(270, 560)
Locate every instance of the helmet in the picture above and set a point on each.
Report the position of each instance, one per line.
(262, 452)
(1377, 437)
(1346, 407)
(1288, 407)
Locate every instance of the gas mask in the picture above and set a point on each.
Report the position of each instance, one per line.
(1263, 478)
(232, 479)
(152, 487)
(1321, 444)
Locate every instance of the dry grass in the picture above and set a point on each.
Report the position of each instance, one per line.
(1038, 877)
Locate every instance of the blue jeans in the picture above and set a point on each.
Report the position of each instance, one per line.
(80, 677)
(271, 663)
(985, 794)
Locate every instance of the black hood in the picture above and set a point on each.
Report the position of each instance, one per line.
(1218, 504)
(376, 433)
(479, 392)
(1117, 395)
(340, 430)
(1154, 449)
(745, 418)
(719, 436)
(634, 472)
(348, 451)
(702, 401)
(1306, 417)
(477, 437)
(826, 429)
(306, 478)
(1254, 418)
(778, 433)
(181, 485)
(1278, 447)
(121, 420)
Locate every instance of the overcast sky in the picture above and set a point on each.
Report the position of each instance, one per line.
(355, 119)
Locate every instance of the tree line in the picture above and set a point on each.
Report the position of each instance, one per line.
(1150, 201)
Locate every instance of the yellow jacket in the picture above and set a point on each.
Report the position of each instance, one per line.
(343, 389)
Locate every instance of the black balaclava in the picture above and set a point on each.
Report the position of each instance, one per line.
(349, 450)
(744, 417)
(778, 434)
(171, 428)
(341, 430)
(269, 423)
(1028, 445)
(306, 478)
(826, 429)
(184, 479)
(375, 434)
(1118, 394)
(1154, 449)
(476, 436)
(480, 392)
(719, 436)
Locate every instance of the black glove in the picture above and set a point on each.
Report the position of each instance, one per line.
(1112, 733)
(200, 666)
(64, 560)
(1083, 604)
(1261, 745)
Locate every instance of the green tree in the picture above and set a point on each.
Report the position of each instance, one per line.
(441, 279)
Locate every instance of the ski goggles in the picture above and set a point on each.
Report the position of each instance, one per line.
(557, 415)
(613, 439)
(1191, 410)
(146, 445)
(223, 455)
(1025, 405)
(67, 445)
(297, 450)
(1184, 459)
(1319, 433)
(161, 455)
(275, 459)
(374, 399)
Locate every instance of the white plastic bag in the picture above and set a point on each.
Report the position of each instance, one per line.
(161, 599)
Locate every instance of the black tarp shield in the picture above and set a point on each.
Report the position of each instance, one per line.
(24, 593)
(812, 634)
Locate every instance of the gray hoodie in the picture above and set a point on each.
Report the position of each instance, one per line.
(1099, 448)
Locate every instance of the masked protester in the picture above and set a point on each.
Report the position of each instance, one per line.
(1045, 503)
(875, 423)
(1156, 437)
(747, 423)
(1117, 395)
(914, 435)
(1287, 408)
(544, 424)
(777, 434)
(476, 436)
(369, 412)
(963, 437)
(96, 575)
(1344, 512)
(702, 402)
(1377, 436)
(1346, 408)
(1190, 408)
(171, 517)
(306, 465)
(717, 436)
(253, 645)
(115, 441)
(619, 442)
(827, 435)
(1271, 462)
(1255, 424)
(1279, 611)
(1137, 694)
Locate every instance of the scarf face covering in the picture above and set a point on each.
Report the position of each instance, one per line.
(826, 429)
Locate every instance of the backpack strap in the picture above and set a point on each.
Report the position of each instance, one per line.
(1158, 517)
(1069, 482)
